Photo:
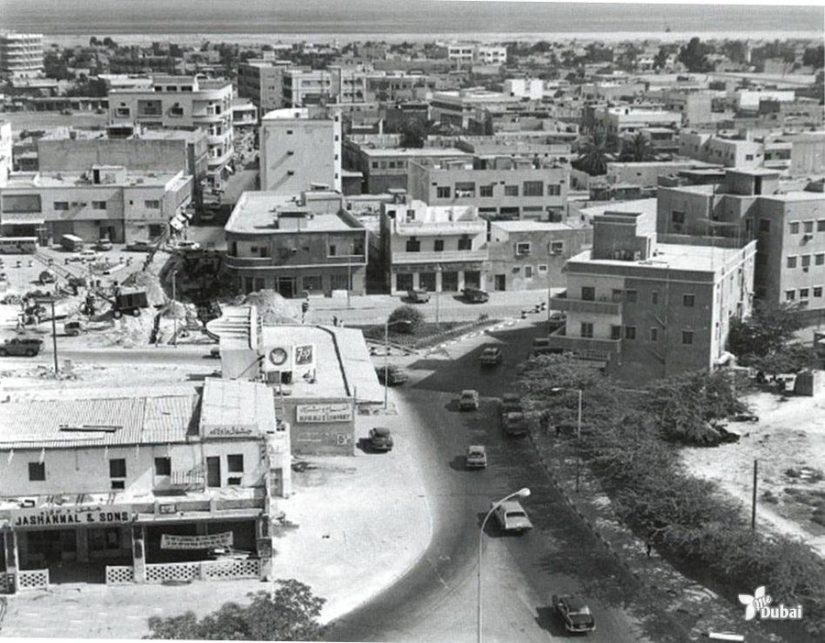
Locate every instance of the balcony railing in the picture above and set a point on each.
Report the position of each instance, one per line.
(589, 347)
(284, 261)
(440, 227)
(451, 256)
(598, 307)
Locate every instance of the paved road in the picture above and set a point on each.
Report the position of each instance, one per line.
(436, 601)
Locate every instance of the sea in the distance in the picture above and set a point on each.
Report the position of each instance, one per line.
(64, 21)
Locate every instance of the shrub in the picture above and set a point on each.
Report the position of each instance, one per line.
(409, 314)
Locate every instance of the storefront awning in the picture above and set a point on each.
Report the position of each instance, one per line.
(22, 218)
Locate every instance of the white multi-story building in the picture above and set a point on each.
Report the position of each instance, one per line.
(299, 149)
(182, 101)
(21, 54)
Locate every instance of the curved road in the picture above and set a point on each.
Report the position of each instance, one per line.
(436, 600)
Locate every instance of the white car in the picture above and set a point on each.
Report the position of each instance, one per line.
(86, 256)
(511, 517)
(184, 246)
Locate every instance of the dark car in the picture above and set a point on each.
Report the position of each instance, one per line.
(138, 245)
(510, 403)
(475, 295)
(418, 296)
(391, 375)
(380, 439)
(21, 346)
(490, 356)
(575, 613)
(515, 423)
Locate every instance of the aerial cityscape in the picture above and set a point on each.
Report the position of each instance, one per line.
(433, 321)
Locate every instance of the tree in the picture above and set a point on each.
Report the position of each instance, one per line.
(766, 331)
(288, 614)
(409, 314)
(814, 57)
(636, 150)
(694, 56)
(109, 43)
(595, 153)
(413, 133)
(660, 59)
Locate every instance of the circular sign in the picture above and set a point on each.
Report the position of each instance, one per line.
(277, 356)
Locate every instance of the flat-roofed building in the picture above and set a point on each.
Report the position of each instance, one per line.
(21, 54)
(261, 81)
(296, 245)
(632, 118)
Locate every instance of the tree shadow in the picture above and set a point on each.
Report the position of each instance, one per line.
(548, 619)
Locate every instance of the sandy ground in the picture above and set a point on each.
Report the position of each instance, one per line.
(788, 442)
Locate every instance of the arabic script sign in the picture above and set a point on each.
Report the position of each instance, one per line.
(315, 413)
(74, 515)
(230, 430)
(171, 541)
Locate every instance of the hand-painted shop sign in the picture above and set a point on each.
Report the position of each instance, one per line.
(230, 430)
(316, 413)
(173, 541)
(68, 516)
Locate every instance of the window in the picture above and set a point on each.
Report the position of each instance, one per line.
(817, 291)
(820, 225)
(794, 227)
(808, 227)
(98, 205)
(588, 293)
(688, 301)
(553, 190)
(442, 192)
(790, 295)
(533, 188)
(617, 295)
(542, 268)
(163, 466)
(289, 132)
(631, 296)
(438, 245)
(465, 243)
(123, 112)
(630, 332)
(806, 261)
(510, 190)
(528, 272)
(117, 473)
(687, 337)
(586, 329)
(819, 260)
(803, 293)
(61, 205)
(677, 217)
(791, 262)
(37, 471)
(654, 334)
(523, 248)
(615, 332)
(375, 165)
(654, 297)
(485, 191)
(764, 225)
(151, 204)
(176, 111)
(413, 245)
(748, 157)
(556, 247)
(312, 283)
(234, 463)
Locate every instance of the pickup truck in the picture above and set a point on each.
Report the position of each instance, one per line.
(21, 346)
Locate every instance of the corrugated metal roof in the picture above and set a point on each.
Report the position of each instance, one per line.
(237, 402)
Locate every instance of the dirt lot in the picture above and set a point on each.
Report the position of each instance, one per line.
(789, 443)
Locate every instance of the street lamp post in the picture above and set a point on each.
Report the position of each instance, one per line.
(387, 324)
(521, 493)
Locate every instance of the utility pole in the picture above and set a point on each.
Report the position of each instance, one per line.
(753, 502)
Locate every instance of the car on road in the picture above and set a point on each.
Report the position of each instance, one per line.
(575, 613)
(468, 400)
(490, 356)
(511, 517)
(104, 245)
(391, 375)
(510, 403)
(73, 328)
(380, 439)
(418, 296)
(514, 423)
(475, 295)
(476, 456)
(744, 417)
(139, 245)
(186, 246)
(17, 346)
(87, 256)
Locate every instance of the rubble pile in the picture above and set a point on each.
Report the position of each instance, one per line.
(272, 307)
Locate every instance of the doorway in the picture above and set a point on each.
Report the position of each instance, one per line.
(213, 471)
(501, 282)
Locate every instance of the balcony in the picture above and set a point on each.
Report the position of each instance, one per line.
(452, 256)
(585, 347)
(598, 307)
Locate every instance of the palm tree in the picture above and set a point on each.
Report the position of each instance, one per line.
(637, 149)
(595, 152)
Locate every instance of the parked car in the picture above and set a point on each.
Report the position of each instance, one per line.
(392, 375)
(85, 256)
(138, 245)
(490, 356)
(47, 277)
(476, 457)
(418, 296)
(575, 613)
(18, 346)
(186, 246)
(215, 352)
(511, 517)
(73, 328)
(104, 245)
(515, 423)
(380, 439)
(468, 400)
(744, 417)
(510, 403)
(475, 295)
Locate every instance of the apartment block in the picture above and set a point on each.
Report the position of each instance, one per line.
(436, 248)
(304, 87)
(498, 186)
(530, 255)
(646, 307)
(261, 81)
(21, 54)
(6, 152)
(296, 245)
(299, 148)
(174, 102)
(631, 119)
(730, 152)
(102, 202)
